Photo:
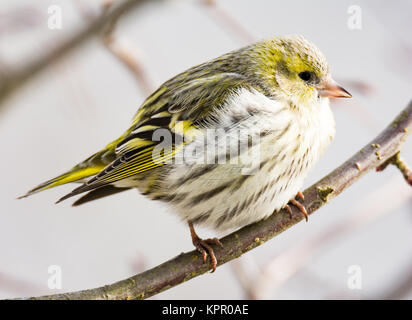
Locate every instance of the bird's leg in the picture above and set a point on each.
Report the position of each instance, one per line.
(204, 246)
(297, 204)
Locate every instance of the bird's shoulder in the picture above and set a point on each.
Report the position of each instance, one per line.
(188, 99)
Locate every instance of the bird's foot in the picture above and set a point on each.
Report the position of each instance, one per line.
(297, 204)
(204, 246)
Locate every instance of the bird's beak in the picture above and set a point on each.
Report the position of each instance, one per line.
(330, 89)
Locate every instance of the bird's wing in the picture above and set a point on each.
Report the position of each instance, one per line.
(177, 107)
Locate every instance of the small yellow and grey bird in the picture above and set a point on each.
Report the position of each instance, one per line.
(184, 146)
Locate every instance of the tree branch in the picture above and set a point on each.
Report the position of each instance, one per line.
(189, 265)
(19, 77)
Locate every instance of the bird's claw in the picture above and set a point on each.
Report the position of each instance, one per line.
(204, 247)
(298, 205)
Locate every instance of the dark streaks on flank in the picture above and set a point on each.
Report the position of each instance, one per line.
(208, 195)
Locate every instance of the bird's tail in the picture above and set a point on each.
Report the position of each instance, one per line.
(76, 174)
(89, 167)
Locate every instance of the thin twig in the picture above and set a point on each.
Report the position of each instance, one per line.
(245, 270)
(126, 53)
(220, 15)
(15, 285)
(189, 265)
(400, 163)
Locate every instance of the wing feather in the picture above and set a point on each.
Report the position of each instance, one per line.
(176, 106)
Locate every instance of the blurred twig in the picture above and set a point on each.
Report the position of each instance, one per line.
(126, 52)
(284, 266)
(189, 265)
(138, 263)
(402, 288)
(15, 285)
(15, 79)
(20, 19)
(362, 87)
(246, 270)
(357, 109)
(227, 21)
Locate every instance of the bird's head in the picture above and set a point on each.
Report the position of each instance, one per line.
(294, 69)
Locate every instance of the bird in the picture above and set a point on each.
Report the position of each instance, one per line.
(225, 143)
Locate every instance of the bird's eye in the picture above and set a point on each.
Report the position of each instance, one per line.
(305, 76)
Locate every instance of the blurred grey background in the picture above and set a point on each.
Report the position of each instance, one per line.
(78, 105)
